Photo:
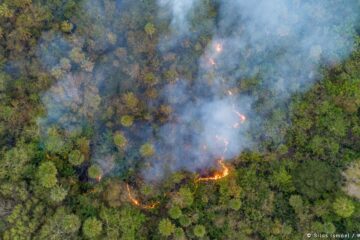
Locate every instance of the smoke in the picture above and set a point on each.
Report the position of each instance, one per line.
(277, 45)
(178, 12)
(282, 41)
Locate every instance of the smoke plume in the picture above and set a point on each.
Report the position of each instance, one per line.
(275, 45)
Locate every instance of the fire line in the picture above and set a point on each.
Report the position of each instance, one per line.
(137, 203)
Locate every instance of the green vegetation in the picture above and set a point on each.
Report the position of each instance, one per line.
(147, 150)
(92, 227)
(95, 171)
(77, 88)
(166, 228)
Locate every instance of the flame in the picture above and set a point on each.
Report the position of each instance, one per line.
(242, 117)
(218, 175)
(224, 169)
(137, 203)
(218, 47)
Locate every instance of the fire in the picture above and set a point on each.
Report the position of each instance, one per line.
(218, 47)
(137, 203)
(224, 169)
(242, 117)
(218, 175)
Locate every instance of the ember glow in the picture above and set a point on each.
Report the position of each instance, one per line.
(242, 117)
(137, 202)
(218, 175)
(218, 47)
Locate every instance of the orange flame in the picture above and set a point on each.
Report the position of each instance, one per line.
(218, 175)
(137, 203)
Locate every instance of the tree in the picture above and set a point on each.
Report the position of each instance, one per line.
(315, 178)
(71, 223)
(14, 163)
(5, 11)
(76, 157)
(113, 193)
(150, 29)
(235, 204)
(131, 101)
(166, 228)
(47, 174)
(296, 202)
(127, 120)
(95, 172)
(57, 194)
(54, 142)
(120, 140)
(283, 180)
(66, 26)
(175, 212)
(147, 150)
(343, 207)
(185, 221)
(199, 231)
(92, 227)
(183, 198)
(179, 234)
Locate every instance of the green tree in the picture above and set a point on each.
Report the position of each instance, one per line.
(5, 11)
(120, 140)
(47, 174)
(179, 234)
(235, 204)
(54, 142)
(150, 29)
(92, 227)
(127, 120)
(130, 100)
(124, 223)
(315, 178)
(57, 194)
(283, 180)
(166, 228)
(71, 223)
(95, 172)
(343, 207)
(184, 198)
(147, 150)
(66, 26)
(76, 158)
(175, 212)
(296, 202)
(199, 231)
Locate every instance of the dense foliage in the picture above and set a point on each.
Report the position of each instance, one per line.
(303, 177)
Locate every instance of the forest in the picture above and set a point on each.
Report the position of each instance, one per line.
(191, 119)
